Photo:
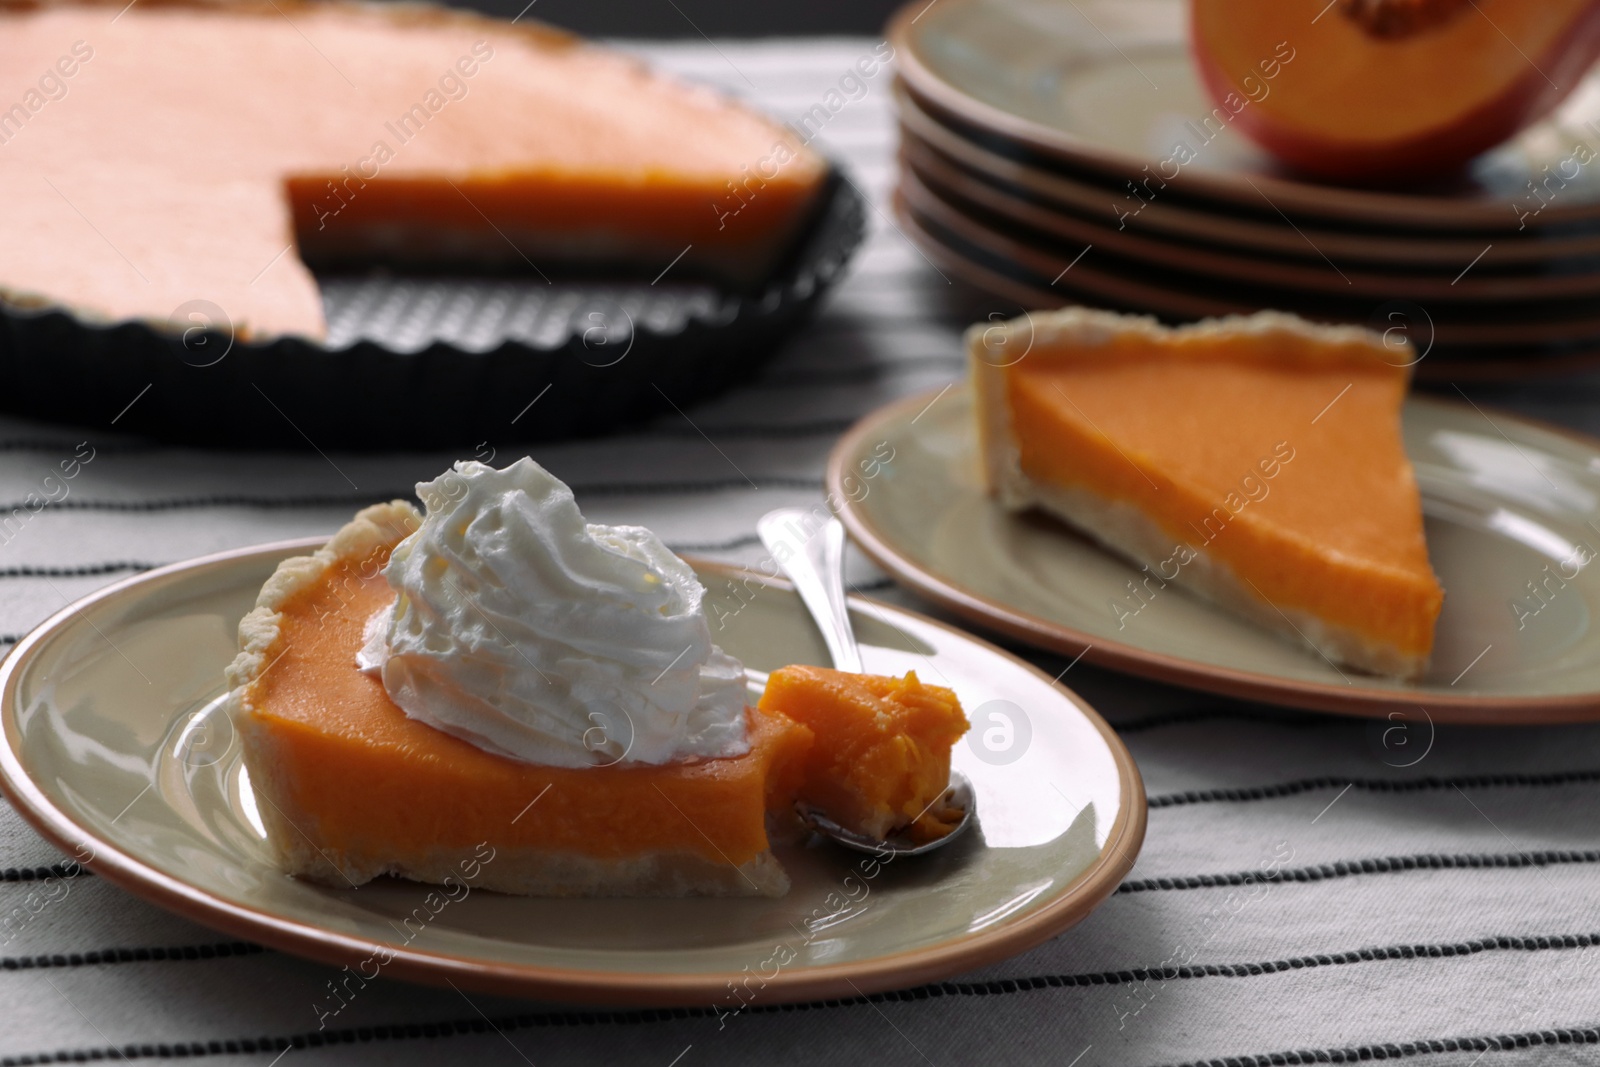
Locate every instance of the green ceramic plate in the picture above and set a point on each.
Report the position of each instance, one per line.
(1104, 88)
(1513, 521)
(115, 750)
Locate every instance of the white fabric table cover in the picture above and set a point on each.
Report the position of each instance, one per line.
(1445, 913)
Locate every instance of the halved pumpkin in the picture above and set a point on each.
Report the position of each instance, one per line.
(1389, 90)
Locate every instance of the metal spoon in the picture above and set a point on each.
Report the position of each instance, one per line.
(811, 553)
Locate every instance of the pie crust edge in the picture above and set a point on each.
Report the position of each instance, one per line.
(1125, 530)
(520, 870)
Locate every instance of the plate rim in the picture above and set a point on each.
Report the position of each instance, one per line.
(897, 970)
(994, 285)
(1179, 298)
(1187, 222)
(1327, 201)
(1129, 658)
(973, 196)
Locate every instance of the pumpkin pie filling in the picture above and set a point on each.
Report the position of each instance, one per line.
(352, 786)
(369, 783)
(1257, 462)
(195, 150)
(881, 760)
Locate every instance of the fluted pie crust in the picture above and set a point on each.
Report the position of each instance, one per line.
(350, 788)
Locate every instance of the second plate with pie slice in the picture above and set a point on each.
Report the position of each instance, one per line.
(1512, 515)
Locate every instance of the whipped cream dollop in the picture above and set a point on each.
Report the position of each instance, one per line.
(532, 633)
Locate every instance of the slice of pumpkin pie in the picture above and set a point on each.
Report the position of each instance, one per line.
(1254, 461)
(499, 678)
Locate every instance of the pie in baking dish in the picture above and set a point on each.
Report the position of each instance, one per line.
(160, 154)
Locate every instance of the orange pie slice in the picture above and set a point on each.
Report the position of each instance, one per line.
(350, 788)
(157, 155)
(881, 760)
(1257, 462)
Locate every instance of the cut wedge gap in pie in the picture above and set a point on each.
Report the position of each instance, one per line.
(1256, 462)
(205, 151)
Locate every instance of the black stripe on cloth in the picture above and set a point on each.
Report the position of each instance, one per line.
(1323, 872)
(85, 570)
(39, 874)
(1318, 873)
(838, 320)
(873, 586)
(1394, 1050)
(841, 376)
(993, 987)
(90, 569)
(1285, 717)
(755, 431)
(34, 444)
(743, 541)
(1371, 785)
(1506, 1042)
(226, 500)
(856, 375)
(101, 957)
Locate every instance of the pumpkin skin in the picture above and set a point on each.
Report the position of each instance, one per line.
(1389, 92)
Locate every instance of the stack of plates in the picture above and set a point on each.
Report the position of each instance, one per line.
(1064, 151)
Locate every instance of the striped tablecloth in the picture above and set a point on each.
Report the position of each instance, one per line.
(1446, 912)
